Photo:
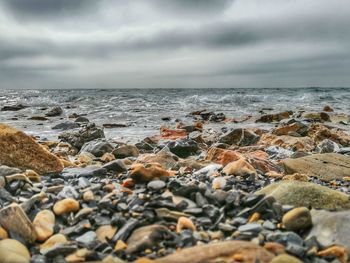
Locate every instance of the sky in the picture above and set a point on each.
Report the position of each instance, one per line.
(68, 44)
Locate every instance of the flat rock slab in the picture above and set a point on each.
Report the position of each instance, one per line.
(220, 252)
(327, 166)
(306, 194)
(331, 228)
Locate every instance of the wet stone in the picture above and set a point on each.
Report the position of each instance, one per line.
(254, 228)
(156, 185)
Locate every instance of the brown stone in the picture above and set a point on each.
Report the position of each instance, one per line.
(145, 237)
(3, 233)
(14, 219)
(226, 251)
(66, 206)
(328, 108)
(105, 232)
(44, 223)
(184, 223)
(274, 117)
(166, 133)
(239, 168)
(52, 241)
(13, 251)
(297, 219)
(289, 142)
(319, 132)
(327, 166)
(222, 156)
(148, 172)
(21, 151)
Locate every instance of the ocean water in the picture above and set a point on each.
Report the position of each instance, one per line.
(142, 109)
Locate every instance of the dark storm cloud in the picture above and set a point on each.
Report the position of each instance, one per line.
(200, 7)
(36, 9)
(195, 39)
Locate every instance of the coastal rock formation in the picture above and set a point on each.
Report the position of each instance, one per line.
(327, 167)
(21, 151)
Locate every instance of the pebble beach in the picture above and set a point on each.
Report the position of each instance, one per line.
(205, 186)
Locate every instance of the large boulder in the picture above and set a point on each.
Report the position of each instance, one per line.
(331, 228)
(306, 194)
(327, 166)
(22, 151)
(220, 252)
(85, 134)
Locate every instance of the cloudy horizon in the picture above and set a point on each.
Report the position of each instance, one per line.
(174, 44)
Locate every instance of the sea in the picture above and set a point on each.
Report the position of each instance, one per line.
(142, 111)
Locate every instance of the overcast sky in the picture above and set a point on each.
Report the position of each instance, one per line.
(174, 43)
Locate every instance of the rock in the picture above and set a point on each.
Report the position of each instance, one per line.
(3, 233)
(297, 127)
(288, 142)
(67, 125)
(327, 108)
(126, 230)
(107, 157)
(306, 194)
(184, 223)
(114, 125)
(66, 206)
(183, 147)
(105, 232)
(97, 147)
(85, 158)
(87, 239)
(169, 215)
(284, 258)
(240, 137)
(82, 119)
(88, 196)
(169, 134)
(14, 219)
(239, 168)
(86, 133)
(274, 117)
(278, 153)
(319, 132)
(21, 151)
(145, 173)
(331, 228)
(13, 107)
(327, 146)
(115, 166)
(209, 170)
(222, 156)
(44, 223)
(297, 219)
(164, 158)
(13, 251)
(145, 237)
(124, 151)
(38, 118)
(156, 185)
(52, 242)
(246, 251)
(5, 170)
(327, 167)
(316, 116)
(55, 111)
